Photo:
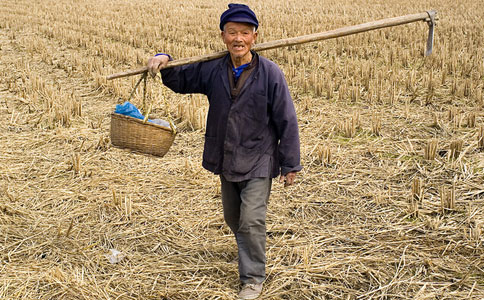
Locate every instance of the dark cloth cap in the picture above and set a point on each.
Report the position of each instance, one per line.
(239, 13)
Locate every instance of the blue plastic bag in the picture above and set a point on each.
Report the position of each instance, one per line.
(128, 109)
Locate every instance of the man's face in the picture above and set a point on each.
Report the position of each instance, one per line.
(239, 38)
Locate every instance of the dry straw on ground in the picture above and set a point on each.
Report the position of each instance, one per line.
(344, 231)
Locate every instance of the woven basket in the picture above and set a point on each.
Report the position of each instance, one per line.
(134, 134)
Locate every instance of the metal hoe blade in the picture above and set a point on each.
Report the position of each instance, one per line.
(430, 39)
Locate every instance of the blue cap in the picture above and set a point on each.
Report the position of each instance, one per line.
(239, 13)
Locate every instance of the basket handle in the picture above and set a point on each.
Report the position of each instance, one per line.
(144, 78)
(165, 103)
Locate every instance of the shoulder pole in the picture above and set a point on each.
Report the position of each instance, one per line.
(428, 16)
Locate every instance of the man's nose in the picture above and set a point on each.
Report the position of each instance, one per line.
(238, 37)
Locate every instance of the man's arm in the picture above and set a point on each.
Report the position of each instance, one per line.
(182, 79)
(285, 121)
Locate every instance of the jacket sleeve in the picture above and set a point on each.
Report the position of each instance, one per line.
(285, 122)
(186, 79)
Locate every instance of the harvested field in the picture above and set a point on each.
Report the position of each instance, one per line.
(389, 204)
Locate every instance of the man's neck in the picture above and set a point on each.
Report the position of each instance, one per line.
(238, 61)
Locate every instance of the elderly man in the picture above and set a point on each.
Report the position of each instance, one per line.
(251, 137)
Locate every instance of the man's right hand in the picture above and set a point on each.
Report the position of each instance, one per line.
(156, 63)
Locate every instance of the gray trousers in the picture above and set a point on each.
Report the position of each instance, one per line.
(245, 206)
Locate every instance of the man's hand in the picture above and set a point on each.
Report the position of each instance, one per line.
(288, 179)
(156, 63)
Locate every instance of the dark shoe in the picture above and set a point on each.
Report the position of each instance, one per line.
(250, 291)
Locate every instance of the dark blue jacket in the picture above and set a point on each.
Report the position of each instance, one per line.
(253, 135)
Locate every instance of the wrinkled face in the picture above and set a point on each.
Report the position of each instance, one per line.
(239, 38)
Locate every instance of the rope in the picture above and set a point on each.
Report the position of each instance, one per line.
(137, 84)
(148, 111)
(165, 103)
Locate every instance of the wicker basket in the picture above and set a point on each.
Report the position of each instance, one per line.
(134, 134)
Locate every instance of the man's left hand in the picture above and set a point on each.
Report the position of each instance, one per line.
(288, 179)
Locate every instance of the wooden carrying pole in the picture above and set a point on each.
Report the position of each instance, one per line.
(389, 22)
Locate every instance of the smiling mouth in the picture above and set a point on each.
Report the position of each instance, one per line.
(238, 47)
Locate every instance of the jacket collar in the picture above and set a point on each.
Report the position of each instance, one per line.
(223, 65)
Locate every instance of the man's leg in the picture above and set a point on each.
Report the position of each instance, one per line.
(245, 205)
(251, 235)
(231, 203)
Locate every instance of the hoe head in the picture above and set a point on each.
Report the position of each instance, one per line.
(431, 22)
